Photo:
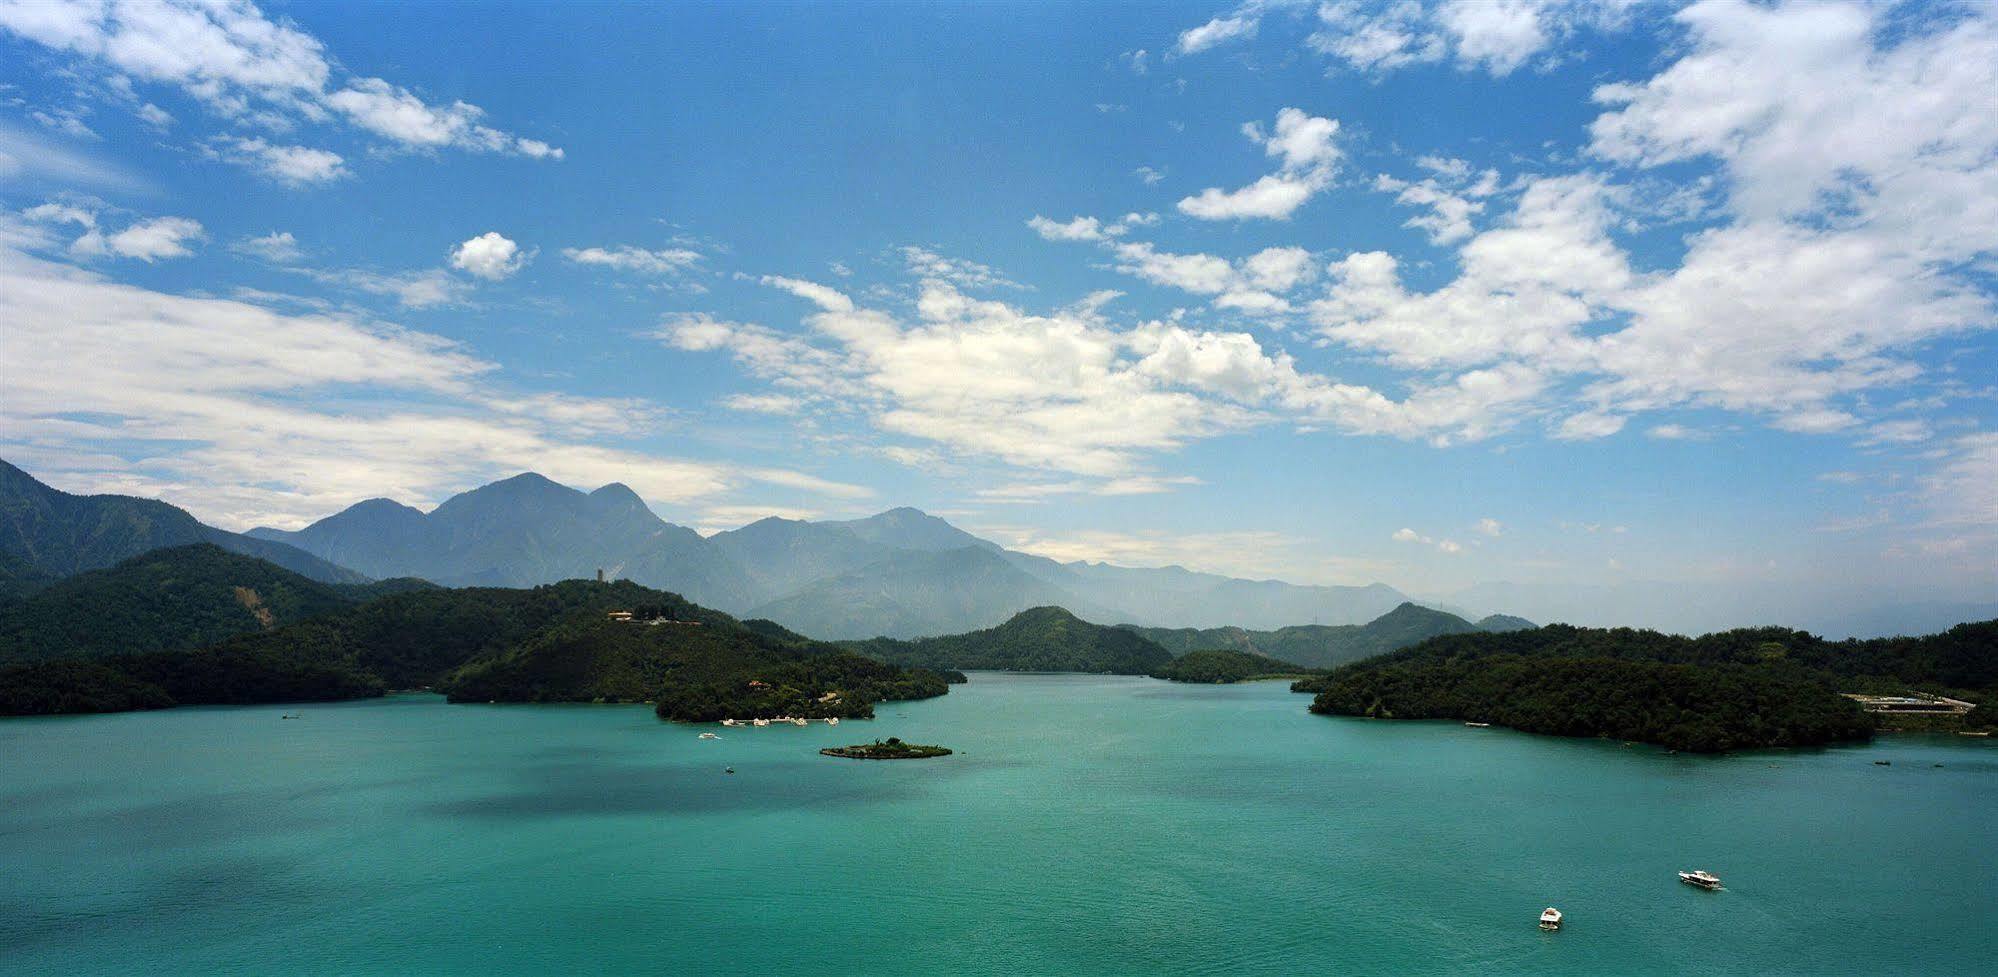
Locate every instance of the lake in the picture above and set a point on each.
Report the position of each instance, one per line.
(1088, 825)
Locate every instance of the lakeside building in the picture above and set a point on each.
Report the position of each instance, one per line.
(1913, 702)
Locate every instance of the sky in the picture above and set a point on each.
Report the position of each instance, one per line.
(1651, 305)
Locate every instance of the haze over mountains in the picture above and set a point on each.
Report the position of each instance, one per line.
(47, 535)
(902, 573)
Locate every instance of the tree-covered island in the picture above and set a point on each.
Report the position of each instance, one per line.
(891, 748)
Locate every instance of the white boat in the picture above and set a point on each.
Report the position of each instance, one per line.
(1704, 879)
(1550, 918)
(730, 722)
(832, 721)
(759, 722)
(1478, 725)
(795, 721)
(710, 736)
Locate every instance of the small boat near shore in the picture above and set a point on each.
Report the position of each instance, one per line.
(1550, 919)
(1701, 878)
(710, 736)
(1478, 725)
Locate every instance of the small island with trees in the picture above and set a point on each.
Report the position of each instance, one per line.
(891, 748)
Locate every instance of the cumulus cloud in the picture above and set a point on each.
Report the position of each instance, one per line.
(1496, 37)
(662, 262)
(1218, 31)
(209, 402)
(147, 239)
(296, 166)
(1862, 198)
(1406, 535)
(1307, 158)
(1069, 392)
(244, 67)
(277, 247)
(490, 256)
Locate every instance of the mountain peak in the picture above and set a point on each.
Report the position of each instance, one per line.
(906, 528)
(617, 492)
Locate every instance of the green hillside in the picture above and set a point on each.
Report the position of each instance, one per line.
(1219, 665)
(1318, 645)
(550, 643)
(1722, 691)
(1039, 639)
(166, 599)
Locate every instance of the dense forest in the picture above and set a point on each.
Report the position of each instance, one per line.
(694, 672)
(1324, 645)
(550, 643)
(1727, 690)
(166, 600)
(1226, 665)
(1039, 639)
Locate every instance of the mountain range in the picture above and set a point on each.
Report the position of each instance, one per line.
(47, 535)
(1329, 645)
(902, 573)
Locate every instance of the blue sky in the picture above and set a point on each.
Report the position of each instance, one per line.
(1648, 297)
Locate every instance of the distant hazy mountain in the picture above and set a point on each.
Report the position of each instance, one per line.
(46, 535)
(917, 592)
(522, 531)
(1505, 622)
(900, 573)
(1039, 639)
(1700, 607)
(788, 555)
(163, 600)
(1178, 597)
(1323, 646)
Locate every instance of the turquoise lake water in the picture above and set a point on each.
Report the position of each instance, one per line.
(1090, 825)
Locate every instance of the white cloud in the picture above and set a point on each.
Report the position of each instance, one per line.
(277, 247)
(246, 68)
(489, 256)
(148, 239)
(1497, 37)
(625, 257)
(1307, 158)
(825, 297)
(214, 404)
(160, 237)
(1220, 30)
(932, 266)
(1088, 228)
(1406, 535)
(296, 166)
(1491, 527)
(1151, 176)
(1451, 194)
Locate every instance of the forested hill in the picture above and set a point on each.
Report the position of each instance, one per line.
(550, 643)
(168, 599)
(1040, 639)
(1222, 665)
(1321, 645)
(1722, 691)
(46, 535)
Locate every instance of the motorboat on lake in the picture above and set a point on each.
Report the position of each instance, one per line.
(1704, 879)
(710, 736)
(1477, 725)
(1550, 918)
